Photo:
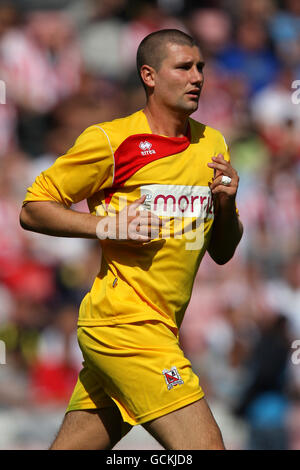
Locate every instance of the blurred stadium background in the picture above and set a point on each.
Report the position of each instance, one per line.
(68, 64)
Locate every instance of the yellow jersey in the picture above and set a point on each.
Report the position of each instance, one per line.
(114, 163)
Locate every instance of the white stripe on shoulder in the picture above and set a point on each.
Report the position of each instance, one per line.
(113, 155)
(225, 142)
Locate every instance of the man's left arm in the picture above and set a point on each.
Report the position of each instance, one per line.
(227, 228)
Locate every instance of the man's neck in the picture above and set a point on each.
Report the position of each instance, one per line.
(166, 122)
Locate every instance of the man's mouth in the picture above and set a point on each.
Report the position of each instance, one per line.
(194, 93)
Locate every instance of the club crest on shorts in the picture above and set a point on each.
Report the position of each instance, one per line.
(172, 377)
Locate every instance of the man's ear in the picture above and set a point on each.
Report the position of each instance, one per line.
(148, 75)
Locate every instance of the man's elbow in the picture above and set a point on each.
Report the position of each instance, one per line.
(221, 260)
(26, 219)
(222, 256)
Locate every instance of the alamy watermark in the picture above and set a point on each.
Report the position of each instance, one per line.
(296, 94)
(296, 354)
(2, 352)
(2, 92)
(178, 212)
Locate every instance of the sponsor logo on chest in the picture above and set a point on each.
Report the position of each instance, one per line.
(178, 200)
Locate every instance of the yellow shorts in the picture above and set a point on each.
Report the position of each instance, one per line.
(138, 366)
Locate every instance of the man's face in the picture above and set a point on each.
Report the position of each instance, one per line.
(179, 80)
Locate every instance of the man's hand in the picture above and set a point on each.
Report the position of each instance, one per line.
(130, 224)
(227, 229)
(223, 168)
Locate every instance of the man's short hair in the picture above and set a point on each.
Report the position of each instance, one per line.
(152, 51)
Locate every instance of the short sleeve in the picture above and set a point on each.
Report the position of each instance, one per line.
(84, 170)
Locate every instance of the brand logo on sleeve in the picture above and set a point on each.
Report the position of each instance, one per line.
(146, 147)
(172, 377)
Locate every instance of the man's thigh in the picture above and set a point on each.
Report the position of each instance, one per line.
(90, 430)
(140, 367)
(190, 427)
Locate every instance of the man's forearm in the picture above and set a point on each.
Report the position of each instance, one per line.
(55, 219)
(227, 231)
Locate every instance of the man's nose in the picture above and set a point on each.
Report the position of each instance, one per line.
(196, 76)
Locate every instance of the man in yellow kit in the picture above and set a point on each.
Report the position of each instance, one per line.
(141, 175)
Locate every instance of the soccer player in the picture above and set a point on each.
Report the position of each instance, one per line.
(161, 191)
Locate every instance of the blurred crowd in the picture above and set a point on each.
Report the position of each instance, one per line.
(66, 65)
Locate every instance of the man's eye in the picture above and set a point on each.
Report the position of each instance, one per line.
(184, 67)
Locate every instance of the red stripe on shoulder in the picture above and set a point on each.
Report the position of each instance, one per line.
(139, 150)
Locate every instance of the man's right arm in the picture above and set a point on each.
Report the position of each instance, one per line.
(53, 218)
(86, 169)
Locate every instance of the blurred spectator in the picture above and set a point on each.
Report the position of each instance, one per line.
(273, 107)
(284, 295)
(285, 32)
(101, 39)
(41, 62)
(54, 371)
(264, 402)
(212, 29)
(260, 10)
(8, 125)
(9, 18)
(147, 18)
(250, 56)
(273, 235)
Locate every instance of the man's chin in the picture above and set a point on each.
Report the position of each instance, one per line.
(187, 107)
(191, 107)
(194, 106)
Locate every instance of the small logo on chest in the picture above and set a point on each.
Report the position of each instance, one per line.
(146, 147)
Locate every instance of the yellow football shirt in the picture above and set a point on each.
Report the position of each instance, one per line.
(114, 163)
